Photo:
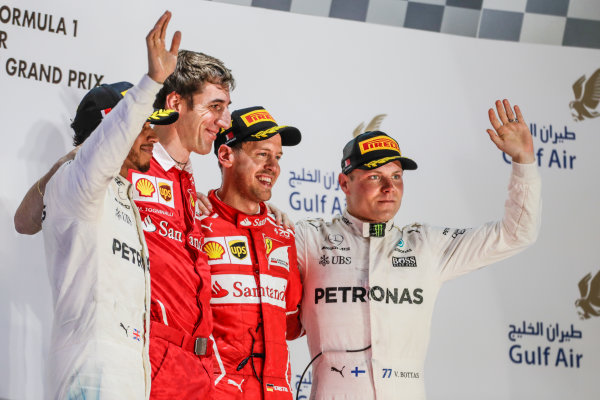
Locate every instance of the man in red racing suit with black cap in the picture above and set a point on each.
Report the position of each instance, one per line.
(255, 280)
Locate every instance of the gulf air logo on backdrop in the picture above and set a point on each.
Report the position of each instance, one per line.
(242, 289)
(587, 94)
(256, 116)
(378, 143)
(227, 250)
(152, 189)
(588, 303)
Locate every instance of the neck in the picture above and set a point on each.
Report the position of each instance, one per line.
(228, 195)
(169, 139)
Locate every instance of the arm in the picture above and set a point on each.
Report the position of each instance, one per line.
(102, 154)
(519, 227)
(28, 217)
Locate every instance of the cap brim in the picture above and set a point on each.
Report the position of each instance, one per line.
(406, 163)
(163, 117)
(290, 136)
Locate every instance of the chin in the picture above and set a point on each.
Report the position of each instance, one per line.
(144, 167)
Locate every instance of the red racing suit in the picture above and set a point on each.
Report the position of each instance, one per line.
(256, 291)
(180, 287)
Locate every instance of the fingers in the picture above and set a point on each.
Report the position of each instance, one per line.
(495, 138)
(203, 203)
(175, 43)
(509, 111)
(493, 120)
(519, 115)
(159, 27)
(500, 107)
(165, 23)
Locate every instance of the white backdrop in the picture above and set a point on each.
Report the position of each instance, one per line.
(326, 76)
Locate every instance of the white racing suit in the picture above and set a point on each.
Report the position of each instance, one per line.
(380, 291)
(97, 265)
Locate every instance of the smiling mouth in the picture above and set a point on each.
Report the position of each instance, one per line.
(265, 180)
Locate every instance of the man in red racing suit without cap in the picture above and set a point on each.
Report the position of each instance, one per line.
(181, 320)
(256, 285)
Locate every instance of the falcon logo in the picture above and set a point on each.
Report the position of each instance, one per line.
(214, 250)
(238, 249)
(586, 100)
(218, 291)
(589, 303)
(165, 191)
(145, 188)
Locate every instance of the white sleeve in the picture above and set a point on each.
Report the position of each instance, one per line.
(462, 250)
(300, 229)
(81, 184)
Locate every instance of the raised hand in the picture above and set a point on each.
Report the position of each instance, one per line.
(161, 62)
(511, 134)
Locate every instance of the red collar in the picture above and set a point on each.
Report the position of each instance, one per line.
(243, 221)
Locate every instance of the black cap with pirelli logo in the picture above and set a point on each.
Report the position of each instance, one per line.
(371, 150)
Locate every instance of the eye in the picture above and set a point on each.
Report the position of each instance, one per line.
(216, 107)
(397, 177)
(373, 177)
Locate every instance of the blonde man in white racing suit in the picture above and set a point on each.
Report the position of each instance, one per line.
(370, 286)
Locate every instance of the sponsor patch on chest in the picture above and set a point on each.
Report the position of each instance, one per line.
(227, 250)
(153, 189)
(243, 289)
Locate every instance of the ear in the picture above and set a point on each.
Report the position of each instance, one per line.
(226, 156)
(344, 180)
(174, 101)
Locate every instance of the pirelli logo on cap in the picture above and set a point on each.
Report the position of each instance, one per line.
(378, 143)
(256, 116)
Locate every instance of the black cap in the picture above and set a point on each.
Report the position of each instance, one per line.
(371, 150)
(253, 124)
(101, 100)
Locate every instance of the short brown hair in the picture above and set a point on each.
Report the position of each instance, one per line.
(192, 71)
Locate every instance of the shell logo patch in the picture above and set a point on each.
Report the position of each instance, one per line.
(145, 187)
(238, 249)
(227, 250)
(378, 143)
(153, 189)
(256, 116)
(214, 250)
(165, 191)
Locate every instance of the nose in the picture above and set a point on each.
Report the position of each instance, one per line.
(224, 120)
(387, 185)
(272, 164)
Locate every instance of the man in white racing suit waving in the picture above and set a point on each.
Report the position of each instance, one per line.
(370, 286)
(95, 248)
